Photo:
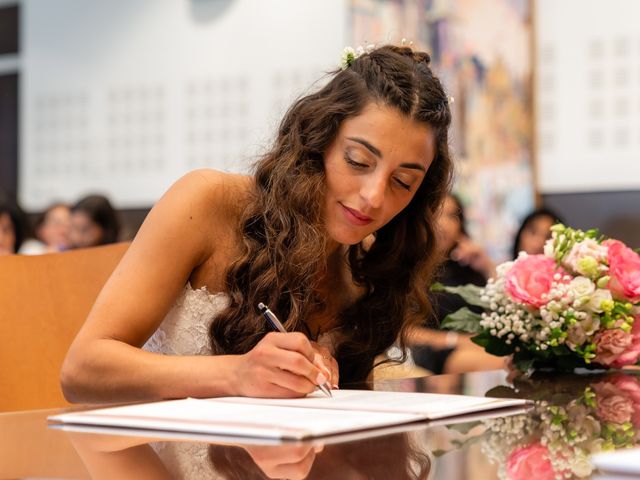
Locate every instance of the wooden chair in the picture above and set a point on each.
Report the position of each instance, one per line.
(44, 300)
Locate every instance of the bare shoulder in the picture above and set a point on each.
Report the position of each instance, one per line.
(213, 202)
(213, 196)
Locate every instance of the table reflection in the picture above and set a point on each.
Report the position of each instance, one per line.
(573, 417)
(398, 456)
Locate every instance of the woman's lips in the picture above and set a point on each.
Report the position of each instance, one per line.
(355, 217)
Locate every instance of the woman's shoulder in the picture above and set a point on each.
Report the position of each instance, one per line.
(219, 194)
(214, 184)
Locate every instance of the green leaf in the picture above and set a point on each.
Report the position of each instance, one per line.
(470, 293)
(493, 345)
(464, 320)
(561, 350)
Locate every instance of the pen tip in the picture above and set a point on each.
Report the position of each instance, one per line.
(261, 306)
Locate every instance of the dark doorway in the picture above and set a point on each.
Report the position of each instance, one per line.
(9, 134)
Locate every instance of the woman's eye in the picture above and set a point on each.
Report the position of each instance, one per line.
(354, 163)
(404, 185)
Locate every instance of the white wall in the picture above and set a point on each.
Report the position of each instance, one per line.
(124, 96)
(588, 95)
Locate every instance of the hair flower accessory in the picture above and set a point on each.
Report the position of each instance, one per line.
(349, 54)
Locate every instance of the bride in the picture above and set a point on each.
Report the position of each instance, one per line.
(334, 232)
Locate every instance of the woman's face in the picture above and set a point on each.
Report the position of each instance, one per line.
(373, 169)
(535, 234)
(7, 235)
(84, 232)
(449, 227)
(54, 231)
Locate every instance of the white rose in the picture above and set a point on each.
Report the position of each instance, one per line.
(582, 287)
(590, 324)
(581, 250)
(599, 296)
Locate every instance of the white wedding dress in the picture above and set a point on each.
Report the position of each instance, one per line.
(185, 331)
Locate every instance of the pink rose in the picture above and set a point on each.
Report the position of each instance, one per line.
(630, 385)
(529, 462)
(613, 404)
(624, 269)
(631, 353)
(530, 278)
(610, 344)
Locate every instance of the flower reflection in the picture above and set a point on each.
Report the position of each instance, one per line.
(573, 418)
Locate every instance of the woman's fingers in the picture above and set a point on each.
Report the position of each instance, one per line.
(328, 363)
(292, 462)
(282, 364)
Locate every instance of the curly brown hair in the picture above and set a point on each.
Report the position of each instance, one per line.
(283, 254)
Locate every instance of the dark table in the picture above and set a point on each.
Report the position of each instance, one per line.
(573, 417)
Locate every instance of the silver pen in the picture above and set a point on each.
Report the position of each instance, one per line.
(271, 318)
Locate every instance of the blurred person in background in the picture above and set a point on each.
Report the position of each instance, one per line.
(94, 222)
(534, 231)
(51, 231)
(465, 262)
(13, 226)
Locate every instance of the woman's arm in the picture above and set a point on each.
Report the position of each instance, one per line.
(191, 224)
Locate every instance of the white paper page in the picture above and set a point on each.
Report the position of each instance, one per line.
(430, 405)
(210, 416)
(625, 461)
(219, 439)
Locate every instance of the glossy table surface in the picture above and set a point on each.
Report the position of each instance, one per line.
(573, 417)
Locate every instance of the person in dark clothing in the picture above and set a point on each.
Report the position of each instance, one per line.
(466, 262)
(534, 231)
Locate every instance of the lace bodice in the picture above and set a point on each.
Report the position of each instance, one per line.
(185, 329)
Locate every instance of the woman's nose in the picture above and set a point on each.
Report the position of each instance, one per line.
(373, 191)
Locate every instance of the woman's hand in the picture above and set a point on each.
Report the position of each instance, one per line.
(284, 461)
(280, 365)
(329, 363)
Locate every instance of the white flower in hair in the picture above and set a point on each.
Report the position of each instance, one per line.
(348, 56)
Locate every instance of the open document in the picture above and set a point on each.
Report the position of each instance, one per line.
(312, 416)
(622, 462)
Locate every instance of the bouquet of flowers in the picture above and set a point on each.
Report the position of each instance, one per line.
(558, 436)
(575, 306)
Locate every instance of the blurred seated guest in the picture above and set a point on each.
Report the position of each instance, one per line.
(51, 230)
(93, 222)
(534, 231)
(465, 262)
(13, 226)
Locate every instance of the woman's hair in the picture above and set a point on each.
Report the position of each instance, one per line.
(459, 213)
(18, 220)
(284, 241)
(537, 213)
(42, 217)
(102, 213)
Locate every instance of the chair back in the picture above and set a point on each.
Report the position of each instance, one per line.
(44, 300)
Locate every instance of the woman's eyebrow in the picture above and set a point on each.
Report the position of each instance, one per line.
(415, 166)
(378, 153)
(367, 145)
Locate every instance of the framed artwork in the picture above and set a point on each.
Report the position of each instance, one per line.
(481, 49)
